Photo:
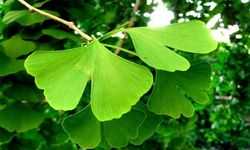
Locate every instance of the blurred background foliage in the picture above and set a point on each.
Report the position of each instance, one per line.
(222, 124)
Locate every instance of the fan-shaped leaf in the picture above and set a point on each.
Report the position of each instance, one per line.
(61, 75)
(154, 53)
(191, 36)
(117, 84)
(84, 129)
(168, 96)
(150, 44)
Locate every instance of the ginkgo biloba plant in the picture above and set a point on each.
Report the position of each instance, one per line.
(115, 116)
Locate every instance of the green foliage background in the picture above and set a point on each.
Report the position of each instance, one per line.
(223, 124)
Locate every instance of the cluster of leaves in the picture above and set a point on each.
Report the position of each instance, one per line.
(105, 113)
(224, 124)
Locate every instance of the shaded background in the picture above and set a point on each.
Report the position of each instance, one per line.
(222, 124)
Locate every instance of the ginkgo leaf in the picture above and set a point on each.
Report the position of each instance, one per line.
(25, 18)
(149, 125)
(9, 66)
(20, 118)
(150, 44)
(191, 36)
(21, 47)
(154, 53)
(84, 129)
(62, 74)
(168, 96)
(117, 84)
(118, 132)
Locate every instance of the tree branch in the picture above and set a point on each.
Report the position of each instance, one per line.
(131, 24)
(67, 23)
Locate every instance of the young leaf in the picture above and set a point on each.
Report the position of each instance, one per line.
(190, 37)
(117, 84)
(20, 118)
(9, 66)
(84, 129)
(168, 95)
(21, 47)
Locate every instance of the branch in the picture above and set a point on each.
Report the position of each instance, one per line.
(67, 23)
(131, 24)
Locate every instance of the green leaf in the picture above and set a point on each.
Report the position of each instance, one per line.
(118, 132)
(168, 97)
(5, 136)
(33, 18)
(8, 2)
(84, 129)
(60, 34)
(195, 37)
(149, 125)
(12, 16)
(21, 47)
(20, 118)
(64, 74)
(24, 92)
(154, 53)
(25, 18)
(150, 44)
(9, 66)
